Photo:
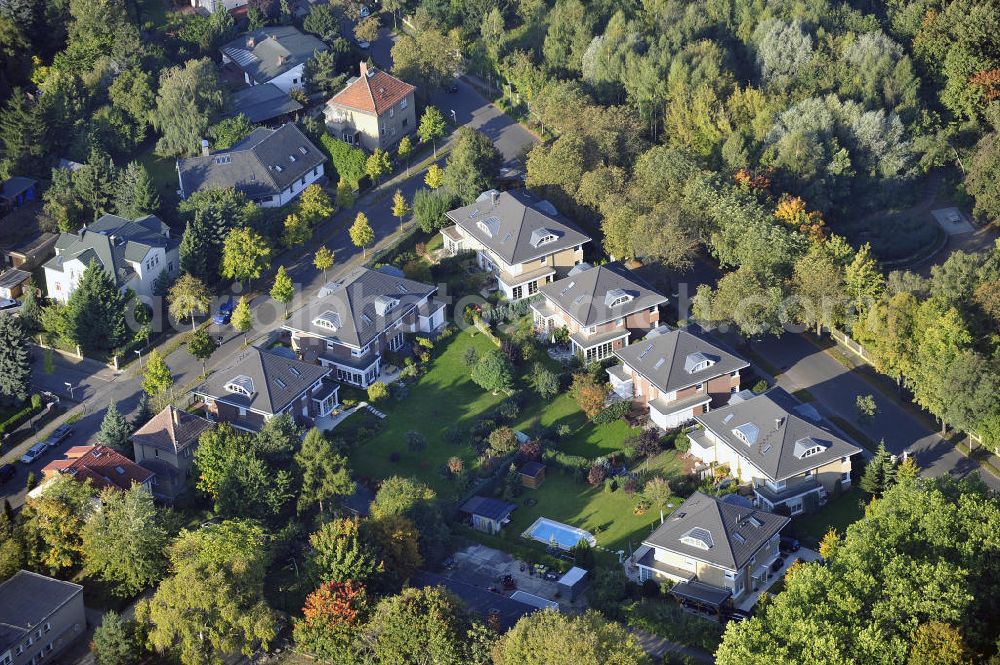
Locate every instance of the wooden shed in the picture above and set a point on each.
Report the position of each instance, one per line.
(532, 474)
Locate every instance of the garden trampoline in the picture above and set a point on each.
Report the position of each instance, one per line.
(558, 534)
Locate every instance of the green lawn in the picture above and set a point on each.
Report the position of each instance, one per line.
(163, 172)
(838, 513)
(609, 516)
(446, 396)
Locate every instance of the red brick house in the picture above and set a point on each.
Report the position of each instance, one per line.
(602, 307)
(261, 385)
(677, 375)
(103, 466)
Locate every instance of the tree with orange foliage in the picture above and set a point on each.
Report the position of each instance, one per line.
(589, 395)
(331, 616)
(792, 211)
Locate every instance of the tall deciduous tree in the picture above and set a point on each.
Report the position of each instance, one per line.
(472, 166)
(227, 133)
(116, 641)
(550, 636)
(325, 473)
(213, 603)
(242, 318)
(245, 255)
(202, 346)
(315, 205)
(15, 367)
(124, 543)
(378, 164)
(51, 525)
(297, 231)
(283, 290)
(342, 551)
(187, 297)
(425, 624)
(434, 177)
(189, 98)
(493, 372)
(323, 260)
(399, 207)
(428, 59)
(115, 430)
(156, 378)
(331, 621)
(432, 127)
(361, 233)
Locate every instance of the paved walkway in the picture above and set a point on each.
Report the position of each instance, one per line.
(658, 647)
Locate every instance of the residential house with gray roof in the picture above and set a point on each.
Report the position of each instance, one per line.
(265, 103)
(270, 166)
(132, 252)
(602, 308)
(676, 374)
(354, 322)
(39, 618)
(165, 445)
(273, 54)
(260, 385)
(523, 240)
(789, 460)
(715, 551)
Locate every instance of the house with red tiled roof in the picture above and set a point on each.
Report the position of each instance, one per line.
(105, 467)
(374, 110)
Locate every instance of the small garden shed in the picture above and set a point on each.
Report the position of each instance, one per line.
(532, 474)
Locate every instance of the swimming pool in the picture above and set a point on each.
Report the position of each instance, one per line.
(555, 533)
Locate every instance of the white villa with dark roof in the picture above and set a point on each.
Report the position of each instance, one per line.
(523, 240)
(354, 322)
(715, 551)
(270, 166)
(601, 307)
(132, 252)
(678, 375)
(790, 461)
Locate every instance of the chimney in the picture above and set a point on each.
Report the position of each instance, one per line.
(283, 58)
(204, 147)
(364, 68)
(176, 414)
(779, 421)
(251, 42)
(494, 196)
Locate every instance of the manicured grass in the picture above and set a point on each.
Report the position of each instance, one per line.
(442, 397)
(609, 516)
(163, 172)
(587, 439)
(838, 513)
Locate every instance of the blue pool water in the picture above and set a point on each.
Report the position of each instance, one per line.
(546, 531)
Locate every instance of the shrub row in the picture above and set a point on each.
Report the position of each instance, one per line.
(613, 412)
(30, 409)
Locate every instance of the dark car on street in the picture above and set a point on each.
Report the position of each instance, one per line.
(225, 312)
(788, 544)
(59, 435)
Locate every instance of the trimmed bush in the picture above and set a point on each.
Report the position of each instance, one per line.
(612, 413)
(347, 160)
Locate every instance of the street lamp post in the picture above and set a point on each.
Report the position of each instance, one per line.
(70, 386)
(138, 352)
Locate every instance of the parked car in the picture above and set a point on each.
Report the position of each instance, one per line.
(451, 88)
(777, 564)
(34, 453)
(7, 473)
(59, 435)
(788, 544)
(225, 312)
(363, 45)
(736, 615)
(7, 303)
(365, 12)
(954, 217)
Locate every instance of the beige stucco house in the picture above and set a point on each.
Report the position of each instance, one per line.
(714, 550)
(521, 239)
(374, 110)
(789, 460)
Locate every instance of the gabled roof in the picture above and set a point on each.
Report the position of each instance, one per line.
(667, 359)
(264, 163)
(272, 51)
(353, 311)
(596, 295)
(11, 187)
(171, 430)
(26, 600)
(766, 432)
(506, 221)
(711, 530)
(374, 91)
(260, 103)
(275, 381)
(114, 242)
(105, 467)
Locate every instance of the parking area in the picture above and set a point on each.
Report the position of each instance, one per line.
(486, 568)
(952, 221)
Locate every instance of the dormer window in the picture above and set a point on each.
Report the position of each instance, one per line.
(747, 433)
(698, 362)
(541, 237)
(241, 385)
(616, 297)
(384, 304)
(698, 537)
(808, 446)
(490, 226)
(329, 320)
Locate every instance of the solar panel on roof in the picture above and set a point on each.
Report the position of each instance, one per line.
(645, 351)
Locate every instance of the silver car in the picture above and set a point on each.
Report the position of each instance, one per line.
(34, 453)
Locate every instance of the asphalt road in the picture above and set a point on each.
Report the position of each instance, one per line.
(95, 385)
